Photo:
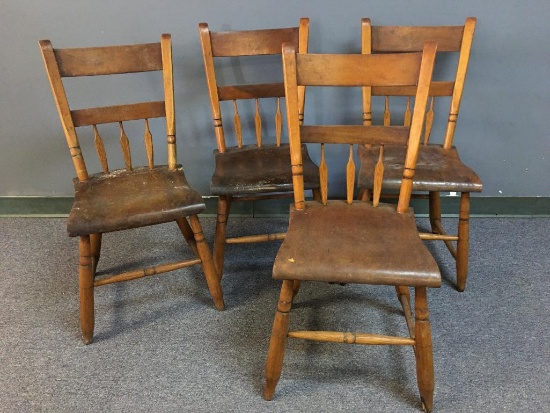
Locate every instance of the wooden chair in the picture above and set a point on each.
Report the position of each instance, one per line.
(131, 197)
(258, 170)
(439, 168)
(346, 241)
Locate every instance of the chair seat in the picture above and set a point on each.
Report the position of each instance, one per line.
(130, 199)
(252, 170)
(437, 169)
(355, 243)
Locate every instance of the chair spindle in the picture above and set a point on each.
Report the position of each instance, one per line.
(323, 176)
(278, 123)
(407, 117)
(350, 176)
(125, 145)
(100, 149)
(258, 123)
(148, 138)
(387, 115)
(238, 128)
(429, 122)
(378, 177)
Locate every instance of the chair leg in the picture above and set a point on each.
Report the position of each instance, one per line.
(224, 204)
(423, 349)
(208, 267)
(95, 241)
(277, 344)
(187, 233)
(86, 289)
(435, 210)
(462, 245)
(295, 288)
(316, 194)
(404, 297)
(364, 195)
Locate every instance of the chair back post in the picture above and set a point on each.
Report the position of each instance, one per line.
(303, 48)
(423, 90)
(206, 44)
(366, 48)
(168, 80)
(462, 68)
(58, 92)
(293, 120)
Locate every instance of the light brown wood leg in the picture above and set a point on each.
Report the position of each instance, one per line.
(187, 233)
(295, 288)
(212, 279)
(316, 194)
(95, 243)
(435, 210)
(404, 297)
(86, 289)
(424, 355)
(364, 195)
(462, 245)
(224, 204)
(277, 344)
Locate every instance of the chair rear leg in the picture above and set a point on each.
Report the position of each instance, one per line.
(212, 279)
(435, 210)
(316, 194)
(224, 204)
(86, 289)
(187, 233)
(364, 195)
(462, 246)
(95, 242)
(423, 349)
(295, 288)
(277, 344)
(404, 297)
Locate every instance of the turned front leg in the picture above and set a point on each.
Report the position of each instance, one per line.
(277, 344)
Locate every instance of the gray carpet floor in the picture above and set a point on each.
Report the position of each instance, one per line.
(161, 346)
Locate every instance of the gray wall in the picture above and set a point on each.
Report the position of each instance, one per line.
(502, 130)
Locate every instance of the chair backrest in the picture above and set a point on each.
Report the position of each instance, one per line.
(112, 60)
(248, 43)
(383, 70)
(398, 39)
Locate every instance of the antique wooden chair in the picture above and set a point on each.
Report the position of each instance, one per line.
(260, 169)
(439, 168)
(118, 199)
(346, 241)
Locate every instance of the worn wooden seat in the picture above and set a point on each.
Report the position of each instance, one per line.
(439, 167)
(133, 196)
(257, 165)
(248, 170)
(347, 241)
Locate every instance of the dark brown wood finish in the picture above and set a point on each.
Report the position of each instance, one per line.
(248, 172)
(135, 196)
(346, 241)
(439, 168)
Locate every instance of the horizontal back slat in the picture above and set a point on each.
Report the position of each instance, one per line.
(109, 60)
(438, 88)
(397, 39)
(267, 90)
(354, 134)
(252, 42)
(358, 70)
(122, 113)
